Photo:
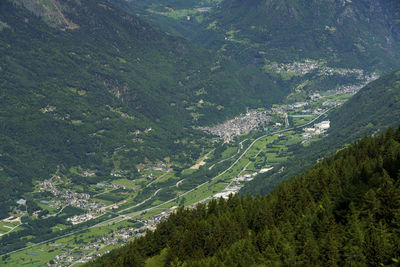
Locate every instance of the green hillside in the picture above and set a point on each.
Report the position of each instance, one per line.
(306, 45)
(342, 212)
(87, 85)
(361, 34)
(370, 111)
(179, 17)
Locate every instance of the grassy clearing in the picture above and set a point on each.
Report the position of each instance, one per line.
(166, 177)
(106, 202)
(8, 225)
(149, 171)
(294, 139)
(37, 256)
(157, 260)
(125, 182)
(157, 202)
(229, 152)
(199, 194)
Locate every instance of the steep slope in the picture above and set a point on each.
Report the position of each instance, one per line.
(362, 34)
(342, 212)
(85, 84)
(178, 17)
(307, 46)
(370, 111)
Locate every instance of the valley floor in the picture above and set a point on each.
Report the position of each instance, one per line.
(109, 215)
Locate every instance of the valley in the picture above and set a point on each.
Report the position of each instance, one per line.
(109, 214)
(192, 132)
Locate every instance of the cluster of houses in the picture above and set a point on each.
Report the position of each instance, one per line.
(295, 67)
(69, 198)
(353, 89)
(77, 219)
(253, 119)
(327, 71)
(91, 251)
(118, 237)
(237, 184)
(307, 66)
(151, 223)
(289, 107)
(239, 125)
(113, 186)
(317, 129)
(230, 190)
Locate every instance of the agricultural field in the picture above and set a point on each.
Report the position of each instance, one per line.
(6, 227)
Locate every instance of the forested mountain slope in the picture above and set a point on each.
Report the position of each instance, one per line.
(363, 34)
(308, 46)
(342, 212)
(86, 84)
(370, 111)
(172, 15)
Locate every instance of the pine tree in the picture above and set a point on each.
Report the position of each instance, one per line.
(354, 239)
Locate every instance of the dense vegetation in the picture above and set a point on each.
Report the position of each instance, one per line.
(347, 33)
(342, 34)
(345, 211)
(86, 84)
(371, 110)
(156, 13)
(362, 34)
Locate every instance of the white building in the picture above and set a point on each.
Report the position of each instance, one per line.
(323, 126)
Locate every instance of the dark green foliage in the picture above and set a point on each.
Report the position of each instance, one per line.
(376, 106)
(342, 212)
(362, 34)
(114, 197)
(357, 34)
(70, 211)
(347, 34)
(31, 206)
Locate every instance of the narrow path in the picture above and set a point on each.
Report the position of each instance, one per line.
(158, 178)
(102, 193)
(237, 152)
(70, 25)
(11, 229)
(147, 199)
(59, 211)
(179, 182)
(201, 161)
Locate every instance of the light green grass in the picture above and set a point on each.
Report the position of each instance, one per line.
(157, 260)
(125, 182)
(229, 152)
(106, 202)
